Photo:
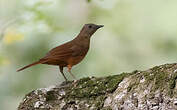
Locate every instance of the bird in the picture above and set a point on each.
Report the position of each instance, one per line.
(69, 53)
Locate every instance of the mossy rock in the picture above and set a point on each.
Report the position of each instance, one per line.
(98, 93)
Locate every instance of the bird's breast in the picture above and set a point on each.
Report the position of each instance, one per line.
(75, 60)
(78, 55)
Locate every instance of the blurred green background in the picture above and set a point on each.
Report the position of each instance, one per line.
(138, 34)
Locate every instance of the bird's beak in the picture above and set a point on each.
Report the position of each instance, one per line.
(99, 26)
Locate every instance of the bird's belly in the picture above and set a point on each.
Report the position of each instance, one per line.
(75, 60)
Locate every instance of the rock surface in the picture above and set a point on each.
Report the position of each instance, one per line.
(153, 89)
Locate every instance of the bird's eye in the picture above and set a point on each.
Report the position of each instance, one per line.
(90, 26)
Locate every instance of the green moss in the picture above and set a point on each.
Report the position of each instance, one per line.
(157, 77)
(172, 82)
(160, 77)
(99, 102)
(50, 95)
(131, 86)
(90, 87)
(135, 81)
(93, 90)
(148, 76)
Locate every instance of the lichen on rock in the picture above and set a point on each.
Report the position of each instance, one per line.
(154, 89)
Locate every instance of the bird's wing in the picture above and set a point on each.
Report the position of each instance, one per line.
(64, 51)
(60, 52)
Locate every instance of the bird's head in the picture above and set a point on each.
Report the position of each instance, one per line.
(89, 29)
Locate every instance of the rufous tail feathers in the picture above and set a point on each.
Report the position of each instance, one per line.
(35, 63)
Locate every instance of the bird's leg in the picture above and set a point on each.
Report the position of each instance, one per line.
(61, 70)
(69, 70)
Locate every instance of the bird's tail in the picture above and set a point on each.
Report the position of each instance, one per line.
(35, 63)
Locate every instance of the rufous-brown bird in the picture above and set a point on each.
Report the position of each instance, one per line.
(70, 53)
